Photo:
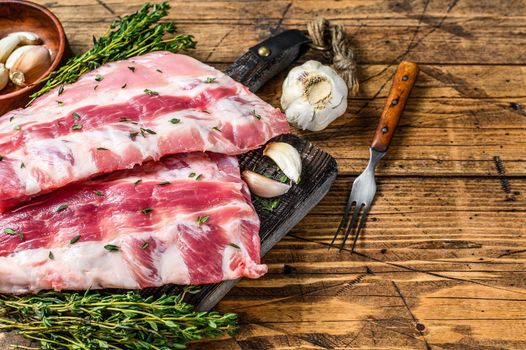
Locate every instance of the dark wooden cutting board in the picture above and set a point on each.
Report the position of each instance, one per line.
(318, 174)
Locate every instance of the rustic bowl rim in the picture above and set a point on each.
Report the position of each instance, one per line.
(61, 48)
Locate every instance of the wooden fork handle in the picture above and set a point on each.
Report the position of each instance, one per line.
(403, 83)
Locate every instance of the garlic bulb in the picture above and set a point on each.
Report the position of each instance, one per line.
(286, 157)
(262, 186)
(10, 42)
(313, 96)
(30, 66)
(4, 76)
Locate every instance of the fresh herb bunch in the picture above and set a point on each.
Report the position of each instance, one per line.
(96, 320)
(130, 36)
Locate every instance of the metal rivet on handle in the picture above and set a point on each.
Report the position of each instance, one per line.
(264, 51)
(395, 102)
(405, 78)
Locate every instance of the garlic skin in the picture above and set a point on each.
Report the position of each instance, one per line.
(313, 96)
(4, 76)
(30, 66)
(286, 157)
(262, 186)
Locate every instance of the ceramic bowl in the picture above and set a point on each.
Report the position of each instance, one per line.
(25, 16)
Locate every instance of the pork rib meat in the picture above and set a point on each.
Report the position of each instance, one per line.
(125, 113)
(187, 219)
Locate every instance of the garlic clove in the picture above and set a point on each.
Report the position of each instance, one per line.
(8, 45)
(262, 186)
(15, 55)
(313, 96)
(4, 76)
(286, 157)
(11, 41)
(30, 66)
(27, 38)
(301, 115)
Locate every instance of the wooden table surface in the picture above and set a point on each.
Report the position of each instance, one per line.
(442, 263)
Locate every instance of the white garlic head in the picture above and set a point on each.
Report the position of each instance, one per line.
(313, 96)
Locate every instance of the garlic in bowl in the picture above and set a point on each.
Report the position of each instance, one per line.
(14, 40)
(4, 76)
(30, 65)
(27, 23)
(313, 96)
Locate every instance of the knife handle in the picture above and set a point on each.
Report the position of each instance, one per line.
(403, 83)
(263, 61)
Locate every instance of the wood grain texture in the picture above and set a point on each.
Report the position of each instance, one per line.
(442, 262)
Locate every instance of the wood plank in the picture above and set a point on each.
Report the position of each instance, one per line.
(220, 43)
(401, 12)
(390, 312)
(442, 263)
(434, 138)
(225, 31)
(434, 81)
(406, 12)
(487, 44)
(417, 220)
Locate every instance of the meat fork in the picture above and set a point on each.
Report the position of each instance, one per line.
(364, 187)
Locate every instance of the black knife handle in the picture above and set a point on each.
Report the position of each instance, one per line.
(268, 58)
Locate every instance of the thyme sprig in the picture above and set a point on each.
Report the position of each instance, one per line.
(93, 320)
(133, 35)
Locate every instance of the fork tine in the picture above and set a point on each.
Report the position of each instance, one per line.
(360, 226)
(343, 221)
(351, 225)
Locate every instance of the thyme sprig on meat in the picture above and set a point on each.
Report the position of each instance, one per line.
(93, 320)
(133, 35)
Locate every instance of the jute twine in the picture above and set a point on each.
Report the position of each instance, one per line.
(331, 39)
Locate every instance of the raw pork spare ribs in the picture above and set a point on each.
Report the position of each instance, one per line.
(125, 113)
(187, 219)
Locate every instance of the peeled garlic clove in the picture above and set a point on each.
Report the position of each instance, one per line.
(313, 96)
(7, 45)
(4, 76)
(27, 38)
(30, 66)
(286, 157)
(263, 186)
